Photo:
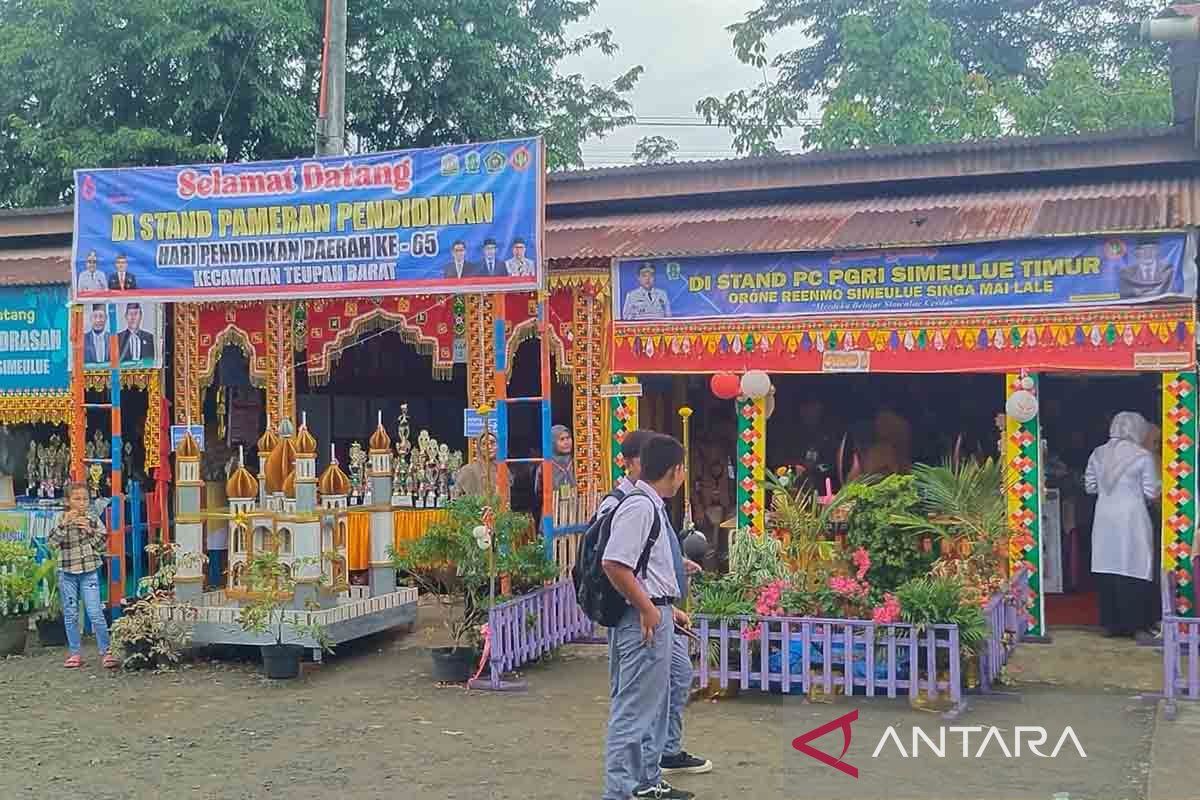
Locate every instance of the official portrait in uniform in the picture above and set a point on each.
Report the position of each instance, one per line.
(645, 301)
(519, 264)
(92, 279)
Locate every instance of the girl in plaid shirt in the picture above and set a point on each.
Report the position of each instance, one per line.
(80, 538)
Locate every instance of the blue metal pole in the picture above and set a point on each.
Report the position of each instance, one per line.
(116, 538)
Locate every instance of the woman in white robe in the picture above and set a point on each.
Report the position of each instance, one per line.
(1122, 472)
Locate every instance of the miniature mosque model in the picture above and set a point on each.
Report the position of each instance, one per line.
(303, 519)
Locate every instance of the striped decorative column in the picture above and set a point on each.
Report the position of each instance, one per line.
(751, 463)
(1179, 484)
(622, 418)
(1023, 457)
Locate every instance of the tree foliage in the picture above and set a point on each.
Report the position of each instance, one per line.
(655, 150)
(92, 83)
(970, 68)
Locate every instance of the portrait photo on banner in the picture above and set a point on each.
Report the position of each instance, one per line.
(139, 334)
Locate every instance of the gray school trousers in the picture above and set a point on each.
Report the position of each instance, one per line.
(639, 678)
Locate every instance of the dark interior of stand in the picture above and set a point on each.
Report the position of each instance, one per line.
(817, 411)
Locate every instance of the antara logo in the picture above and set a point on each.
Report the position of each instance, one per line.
(990, 739)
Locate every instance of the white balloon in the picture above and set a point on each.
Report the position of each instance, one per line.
(1022, 405)
(756, 384)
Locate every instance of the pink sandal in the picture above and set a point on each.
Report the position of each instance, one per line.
(73, 662)
(110, 661)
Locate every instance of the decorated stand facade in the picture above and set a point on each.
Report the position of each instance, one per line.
(1116, 303)
(417, 241)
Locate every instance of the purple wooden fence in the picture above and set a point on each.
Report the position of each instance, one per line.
(889, 659)
(1007, 623)
(869, 658)
(1181, 651)
(527, 627)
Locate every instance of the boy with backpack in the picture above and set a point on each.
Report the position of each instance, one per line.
(637, 605)
(675, 760)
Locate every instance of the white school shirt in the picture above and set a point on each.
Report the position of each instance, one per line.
(625, 486)
(631, 528)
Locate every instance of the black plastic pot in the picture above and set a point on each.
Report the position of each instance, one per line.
(51, 632)
(454, 664)
(281, 661)
(13, 633)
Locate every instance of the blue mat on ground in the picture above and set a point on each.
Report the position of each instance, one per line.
(838, 655)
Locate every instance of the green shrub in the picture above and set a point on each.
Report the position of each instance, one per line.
(940, 601)
(895, 557)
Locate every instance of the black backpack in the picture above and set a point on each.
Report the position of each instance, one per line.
(594, 593)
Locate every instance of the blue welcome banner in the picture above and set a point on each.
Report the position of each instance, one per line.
(448, 219)
(34, 339)
(1007, 275)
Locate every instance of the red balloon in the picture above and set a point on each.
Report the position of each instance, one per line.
(725, 385)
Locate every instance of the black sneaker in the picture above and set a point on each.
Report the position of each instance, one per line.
(664, 791)
(684, 763)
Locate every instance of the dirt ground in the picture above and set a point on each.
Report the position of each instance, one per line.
(369, 723)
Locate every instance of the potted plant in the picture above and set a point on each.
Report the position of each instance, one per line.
(20, 583)
(928, 601)
(270, 586)
(963, 506)
(721, 597)
(452, 544)
(143, 637)
(51, 632)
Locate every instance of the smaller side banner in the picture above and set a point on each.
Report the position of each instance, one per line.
(1071, 273)
(34, 339)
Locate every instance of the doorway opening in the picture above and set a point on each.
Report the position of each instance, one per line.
(1076, 412)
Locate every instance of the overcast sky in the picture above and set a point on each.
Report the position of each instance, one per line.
(687, 54)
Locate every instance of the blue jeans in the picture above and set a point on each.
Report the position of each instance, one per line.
(639, 676)
(69, 588)
(681, 688)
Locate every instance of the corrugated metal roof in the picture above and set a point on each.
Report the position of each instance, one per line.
(994, 145)
(882, 221)
(42, 266)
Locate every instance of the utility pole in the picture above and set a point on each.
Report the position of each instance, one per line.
(331, 114)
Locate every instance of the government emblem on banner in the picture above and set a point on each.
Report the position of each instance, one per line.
(494, 162)
(449, 164)
(521, 159)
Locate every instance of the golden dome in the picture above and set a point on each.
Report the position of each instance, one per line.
(334, 482)
(266, 443)
(188, 447)
(380, 442)
(306, 443)
(289, 484)
(241, 484)
(281, 461)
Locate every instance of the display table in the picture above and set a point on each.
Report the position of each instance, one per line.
(408, 524)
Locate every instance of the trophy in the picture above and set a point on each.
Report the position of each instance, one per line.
(443, 462)
(400, 470)
(95, 476)
(358, 469)
(416, 476)
(430, 458)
